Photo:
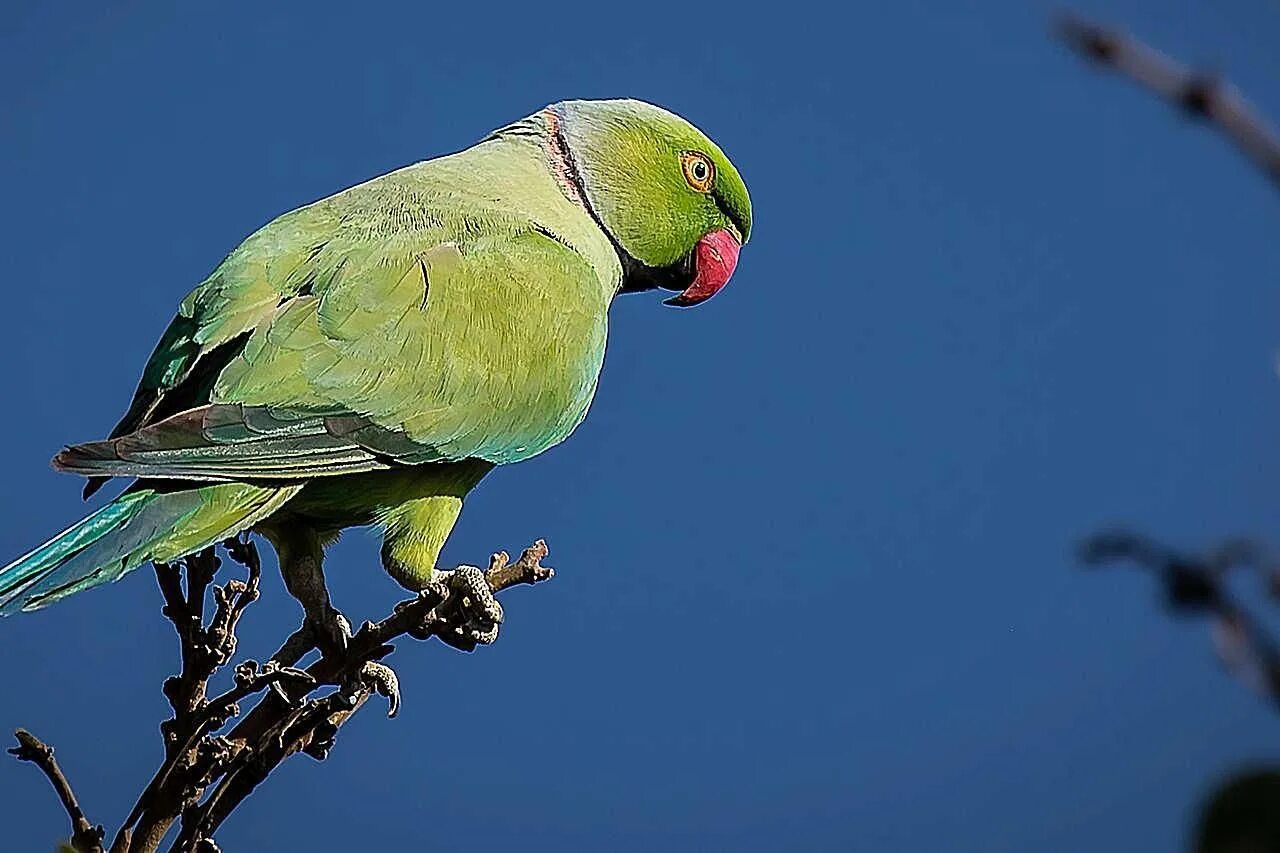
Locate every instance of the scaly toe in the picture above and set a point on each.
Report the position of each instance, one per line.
(472, 615)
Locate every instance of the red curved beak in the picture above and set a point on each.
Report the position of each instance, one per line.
(714, 258)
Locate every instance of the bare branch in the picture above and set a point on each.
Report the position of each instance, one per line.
(528, 569)
(460, 610)
(1200, 95)
(85, 838)
(205, 776)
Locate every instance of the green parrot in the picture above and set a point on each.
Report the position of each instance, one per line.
(367, 359)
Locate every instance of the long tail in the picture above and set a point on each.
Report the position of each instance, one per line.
(135, 528)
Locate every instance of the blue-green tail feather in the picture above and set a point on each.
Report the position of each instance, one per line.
(135, 528)
(19, 579)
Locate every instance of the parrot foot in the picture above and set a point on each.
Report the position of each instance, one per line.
(384, 681)
(330, 630)
(469, 616)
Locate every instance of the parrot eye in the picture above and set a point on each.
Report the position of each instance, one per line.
(699, 172)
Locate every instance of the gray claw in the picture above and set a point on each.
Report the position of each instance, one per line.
(279, 690)
(383, 679)
(332, 632)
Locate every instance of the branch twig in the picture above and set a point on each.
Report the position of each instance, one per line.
(204, 776)
(85, 837)
(1200, 95)
(461, 612)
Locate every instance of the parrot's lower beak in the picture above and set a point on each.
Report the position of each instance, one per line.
(714, 259)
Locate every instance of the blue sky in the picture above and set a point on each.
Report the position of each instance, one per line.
(993, 301)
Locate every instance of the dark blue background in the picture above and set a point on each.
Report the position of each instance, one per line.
(816, 588)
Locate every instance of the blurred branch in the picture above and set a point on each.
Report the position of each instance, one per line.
(205, 776)
(1197, 585)
(1201, 95)
(1194, 584)
(1243, 815)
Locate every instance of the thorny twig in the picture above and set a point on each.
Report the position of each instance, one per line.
(205, 776)
(1201, 95)
(1197, 584)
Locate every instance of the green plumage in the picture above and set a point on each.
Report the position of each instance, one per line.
(139, 526)
(366, 359)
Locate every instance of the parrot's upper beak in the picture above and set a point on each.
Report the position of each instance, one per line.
(714, 259)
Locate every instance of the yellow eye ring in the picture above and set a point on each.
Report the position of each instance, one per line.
(699, 172)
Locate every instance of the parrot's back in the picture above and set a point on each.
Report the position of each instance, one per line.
(451, 310)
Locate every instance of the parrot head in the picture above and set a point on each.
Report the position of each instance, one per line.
(665, 194)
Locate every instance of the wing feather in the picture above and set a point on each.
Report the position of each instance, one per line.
(411, 319)
(223, 442)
